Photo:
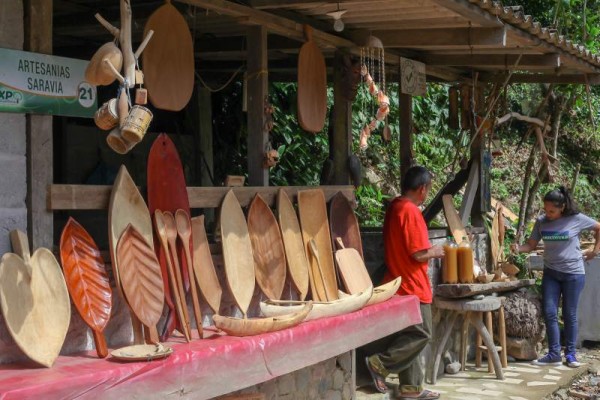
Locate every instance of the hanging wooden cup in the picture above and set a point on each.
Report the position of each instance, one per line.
(136, 124)
(107, 117)
(118, 143)
(97, 72)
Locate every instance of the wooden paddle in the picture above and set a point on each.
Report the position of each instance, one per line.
(34, 300)
(344, 224)
(292, 242)
(184, 230)
(87, 280)
(141, 279)
(312, 85)
(315, 252)
(237, 252)
(267, 248)
(314, 224)
(162, 234)
(169, 59)
(204, 269)
(352, 269)
(454, 223)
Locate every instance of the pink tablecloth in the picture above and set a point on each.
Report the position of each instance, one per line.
(213, 366)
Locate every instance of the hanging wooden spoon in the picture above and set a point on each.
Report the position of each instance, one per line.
(184, 230)
(162, 234)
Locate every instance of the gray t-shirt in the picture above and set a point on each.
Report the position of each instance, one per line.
(561, 241)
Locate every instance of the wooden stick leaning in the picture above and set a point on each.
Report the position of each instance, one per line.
(184, 230)
(169, 220)
(313, 247)
(162, 234)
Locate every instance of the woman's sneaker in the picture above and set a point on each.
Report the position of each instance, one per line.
(548, 361)
(572, 361)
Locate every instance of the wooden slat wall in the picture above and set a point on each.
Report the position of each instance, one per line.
(91, 197)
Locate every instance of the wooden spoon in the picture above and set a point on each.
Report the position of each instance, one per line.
(184, 230)
(169, 220)
(315, 251)
(162, 234)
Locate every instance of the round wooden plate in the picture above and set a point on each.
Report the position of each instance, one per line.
(141, 352)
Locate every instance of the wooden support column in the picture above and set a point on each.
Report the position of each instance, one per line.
(206, 136)
(341, 146)
(406, 127)
(40, 224)
(477, 153)
(258, 81)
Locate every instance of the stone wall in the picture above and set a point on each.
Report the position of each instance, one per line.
(331, 379)
(13, 179)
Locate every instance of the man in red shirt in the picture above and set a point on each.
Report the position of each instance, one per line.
(407, 252)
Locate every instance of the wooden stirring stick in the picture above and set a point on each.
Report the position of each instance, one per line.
(162, 234)
(172, 239)
(184, 230)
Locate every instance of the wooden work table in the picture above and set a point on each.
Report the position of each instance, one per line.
(462, 290)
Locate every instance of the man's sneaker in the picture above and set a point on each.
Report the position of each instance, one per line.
(548, 361)
(572, 361)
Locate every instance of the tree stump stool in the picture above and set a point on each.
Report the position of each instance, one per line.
(472, 311)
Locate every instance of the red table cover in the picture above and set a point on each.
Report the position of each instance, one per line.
(213, 366)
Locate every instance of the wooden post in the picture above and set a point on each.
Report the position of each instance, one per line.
(40, 224)
(477, 153)
(257, 81)
(406, 126)
(341, 146)
(205, 154)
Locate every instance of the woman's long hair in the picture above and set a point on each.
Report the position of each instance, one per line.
(561, 197)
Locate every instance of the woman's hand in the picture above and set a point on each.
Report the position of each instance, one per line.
(590, 255)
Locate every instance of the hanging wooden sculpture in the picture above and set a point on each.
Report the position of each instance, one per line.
(267, 247)
(141, 278)
(167, 191)
(204, 269)
(87, 280)
(312, 85)
(344, 224)
(315, 230)
(237, 252)
(372, 61)
(127, 206)
(297, 262)
(34, 300)
(256, 326)
(104, 67)
(169, 59)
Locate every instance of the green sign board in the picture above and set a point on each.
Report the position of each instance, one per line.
(44, 84)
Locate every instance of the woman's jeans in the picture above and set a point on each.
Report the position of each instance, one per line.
(555, 284)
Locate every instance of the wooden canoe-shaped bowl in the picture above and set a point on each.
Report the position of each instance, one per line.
(344, 224)
(334, 308)
(315, 228)
(256, 326)
(237, 251)
(97, 72)
(267, 247)
(87, 280)
(384, 292)
(204, 269)
(292, 242)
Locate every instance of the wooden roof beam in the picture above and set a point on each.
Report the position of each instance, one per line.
(593, 79)
(443, 37)
(527, 62)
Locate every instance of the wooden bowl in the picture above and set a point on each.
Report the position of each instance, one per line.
(485, 278)
(97, 72)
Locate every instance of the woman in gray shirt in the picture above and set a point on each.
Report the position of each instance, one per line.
(564, 272)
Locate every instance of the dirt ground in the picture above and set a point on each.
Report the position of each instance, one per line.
(585, 385)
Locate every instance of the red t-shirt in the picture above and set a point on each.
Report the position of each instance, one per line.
(404, 234)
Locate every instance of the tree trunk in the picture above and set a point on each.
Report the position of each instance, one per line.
(525, 195)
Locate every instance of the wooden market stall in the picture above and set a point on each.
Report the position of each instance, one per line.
(466, 43)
